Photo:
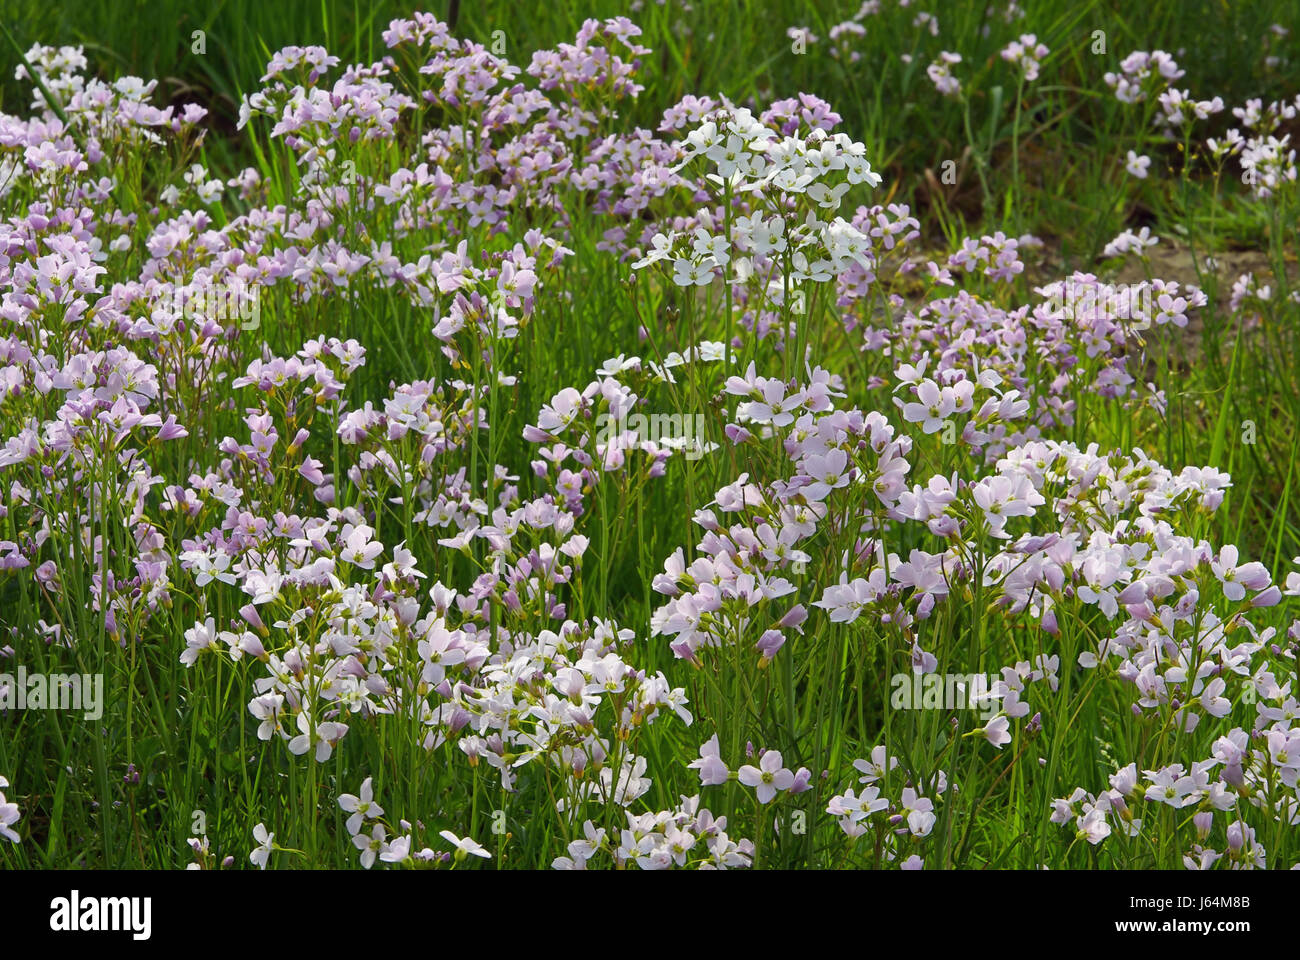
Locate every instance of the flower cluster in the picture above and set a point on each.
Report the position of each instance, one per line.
(324, 445)
(9, 815)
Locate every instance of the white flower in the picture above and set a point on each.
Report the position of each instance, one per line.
(362, 808)
(324, 737)
(1137, 166)
(266, 844)
(465, 846)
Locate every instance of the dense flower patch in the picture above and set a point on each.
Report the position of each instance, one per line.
(267, 465)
